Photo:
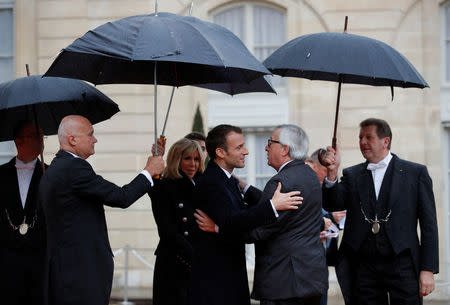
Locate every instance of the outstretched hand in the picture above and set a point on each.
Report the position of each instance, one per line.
(286, 201)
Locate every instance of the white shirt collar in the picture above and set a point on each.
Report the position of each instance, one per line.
(386, 159)
(76, 156)
(31, 163)
(226, 172)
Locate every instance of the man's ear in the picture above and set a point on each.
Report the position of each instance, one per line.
(387, 140)
(285, 151)
(220, 153)
(71, 140)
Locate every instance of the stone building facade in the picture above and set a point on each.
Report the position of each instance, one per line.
(36, 30)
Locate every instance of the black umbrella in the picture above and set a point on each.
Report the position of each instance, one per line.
(160, 48)
(48, 100)
(344, 58)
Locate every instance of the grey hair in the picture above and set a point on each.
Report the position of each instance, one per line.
(297, 140)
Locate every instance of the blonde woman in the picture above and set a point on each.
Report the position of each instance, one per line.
(173, 209)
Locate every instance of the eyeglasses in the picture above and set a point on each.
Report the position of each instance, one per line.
(270, 141)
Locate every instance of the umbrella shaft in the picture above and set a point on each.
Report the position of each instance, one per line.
(333, 144)
(155, 109)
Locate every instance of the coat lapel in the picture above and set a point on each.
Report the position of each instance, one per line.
(32, 190)
(364, 184)
(398, 181)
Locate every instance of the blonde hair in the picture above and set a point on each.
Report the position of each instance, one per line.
(176, 152)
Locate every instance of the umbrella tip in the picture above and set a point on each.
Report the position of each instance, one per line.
(345, 25)
(27, 67)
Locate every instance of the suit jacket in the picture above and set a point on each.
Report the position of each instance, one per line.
(21, 256)
(79, 264)
(411, 200)
(34, 240)
(289, 257)
(219, 274)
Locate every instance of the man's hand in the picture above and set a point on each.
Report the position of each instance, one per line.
(339, 215)
(286, 201)
(426, 282)
(242, 183)
(155, 165)
(333, 158)
(204, 222)
(327, 223)
(161, 149)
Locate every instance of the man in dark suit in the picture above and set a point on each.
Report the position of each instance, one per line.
(290, 266)
(219, 274)
(79, 261)
(22, 227)
(381, 256)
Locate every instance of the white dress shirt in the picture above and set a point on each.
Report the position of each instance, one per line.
(24, 175)
(378, 171)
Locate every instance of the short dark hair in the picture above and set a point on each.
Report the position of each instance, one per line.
(382, 128)
(217, 138)
(195, 136)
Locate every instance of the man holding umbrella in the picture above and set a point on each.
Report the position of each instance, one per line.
(22, 227)
(79, 261)
(381, 259)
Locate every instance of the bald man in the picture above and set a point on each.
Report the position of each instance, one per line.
(79, 262)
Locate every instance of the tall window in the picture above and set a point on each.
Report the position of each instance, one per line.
(446, 38)
(262, 28)
(6, 61)
(445, 115)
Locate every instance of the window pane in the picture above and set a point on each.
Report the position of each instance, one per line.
(6, 69)
(6, 32)
(6, 151)
(261, 155)
(268, 26)
(233, 20)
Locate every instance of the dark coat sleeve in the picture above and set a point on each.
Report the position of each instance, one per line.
(429, 248)
(231, 219)
(87, 183)
(334, 198)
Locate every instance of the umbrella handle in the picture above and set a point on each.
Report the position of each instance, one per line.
(162, 142)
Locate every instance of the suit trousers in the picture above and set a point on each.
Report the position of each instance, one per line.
(381, 278)
(313, 300)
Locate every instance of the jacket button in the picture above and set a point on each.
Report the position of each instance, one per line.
(184, 219)
(180, 205)
(186, 233)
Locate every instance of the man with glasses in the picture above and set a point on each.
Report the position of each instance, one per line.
(290, 266)
(22, 228)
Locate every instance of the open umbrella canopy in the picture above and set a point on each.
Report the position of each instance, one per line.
(186, 49)
(49, 100)
(346, 58)
(261, 84)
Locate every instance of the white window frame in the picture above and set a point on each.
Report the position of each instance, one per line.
(6, 153)
(444, 39)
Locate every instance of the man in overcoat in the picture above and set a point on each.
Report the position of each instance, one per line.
(290, 265)
(382, 259)
(79, 260)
